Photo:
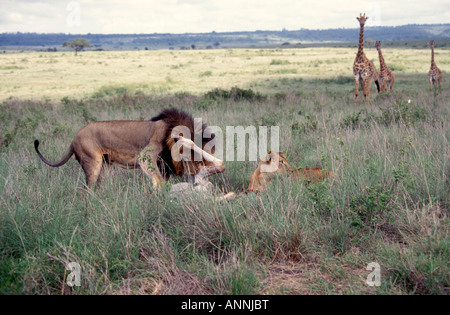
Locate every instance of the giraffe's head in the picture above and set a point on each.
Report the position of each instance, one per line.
(362, 19)
(378, 44)
(432, 44)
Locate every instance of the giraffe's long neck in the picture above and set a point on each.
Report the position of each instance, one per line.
(380, 56)
(361, 42)
(432, 57)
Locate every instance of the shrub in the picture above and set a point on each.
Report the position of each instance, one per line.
(206, 74)
(323, 202)
(236, 94)
(352, 121)
(246, 94)
(269, 119)
(371, 206)
(203, 104)
(402, 111)
(310, 125)
(278, 62)
(218, 94)
(78, 107)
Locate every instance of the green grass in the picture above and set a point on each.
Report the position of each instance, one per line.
(389, 203)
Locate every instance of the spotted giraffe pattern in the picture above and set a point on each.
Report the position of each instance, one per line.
(363, 69)
(434, 75)
(386, 76)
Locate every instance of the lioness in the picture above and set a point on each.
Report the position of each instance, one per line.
(260, 178)
(312, 175)
(153, 146)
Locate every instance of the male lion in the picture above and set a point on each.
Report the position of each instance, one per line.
(260, 179)
(153, 146)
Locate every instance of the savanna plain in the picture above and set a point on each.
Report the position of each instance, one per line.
(388, 203)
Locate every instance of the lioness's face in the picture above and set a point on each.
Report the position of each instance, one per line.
(193, 167)
(274, 163)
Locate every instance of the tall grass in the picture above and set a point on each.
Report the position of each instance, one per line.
(388, 204)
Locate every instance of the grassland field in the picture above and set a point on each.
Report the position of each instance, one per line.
(389, 203)
(39, 75)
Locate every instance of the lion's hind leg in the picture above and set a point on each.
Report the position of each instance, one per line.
(105, 169)
(92, 168)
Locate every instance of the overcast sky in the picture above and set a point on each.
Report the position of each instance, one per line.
(181, 16)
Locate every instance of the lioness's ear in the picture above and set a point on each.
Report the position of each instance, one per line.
(281, 153)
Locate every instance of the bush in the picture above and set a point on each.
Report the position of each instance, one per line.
(278, 62)
(402, 111)
(310, 125)
(78, 107)
(372, 206)
(218, 94)
(237, 94)
(323, 203)
(352, 121)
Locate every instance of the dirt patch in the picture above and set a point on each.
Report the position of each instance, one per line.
(314, 279)
(287, 279)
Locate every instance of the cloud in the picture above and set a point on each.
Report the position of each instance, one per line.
(182, 16)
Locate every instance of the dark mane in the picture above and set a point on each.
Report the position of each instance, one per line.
(174, 117)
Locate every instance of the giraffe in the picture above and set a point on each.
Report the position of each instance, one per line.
(363, 69)
(435, 75)
(386, 76)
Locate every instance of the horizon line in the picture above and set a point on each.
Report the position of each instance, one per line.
(228, 32)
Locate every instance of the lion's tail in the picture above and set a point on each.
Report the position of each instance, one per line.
(63, 161)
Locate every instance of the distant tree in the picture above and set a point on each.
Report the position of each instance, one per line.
(77, 44)
(370, 43)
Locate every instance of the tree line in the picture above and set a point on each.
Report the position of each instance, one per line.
(231, 39)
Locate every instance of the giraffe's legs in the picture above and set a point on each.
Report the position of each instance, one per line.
(384, 85)
(368, 84)
(363, 86)
(392, 82)
(356, 89)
